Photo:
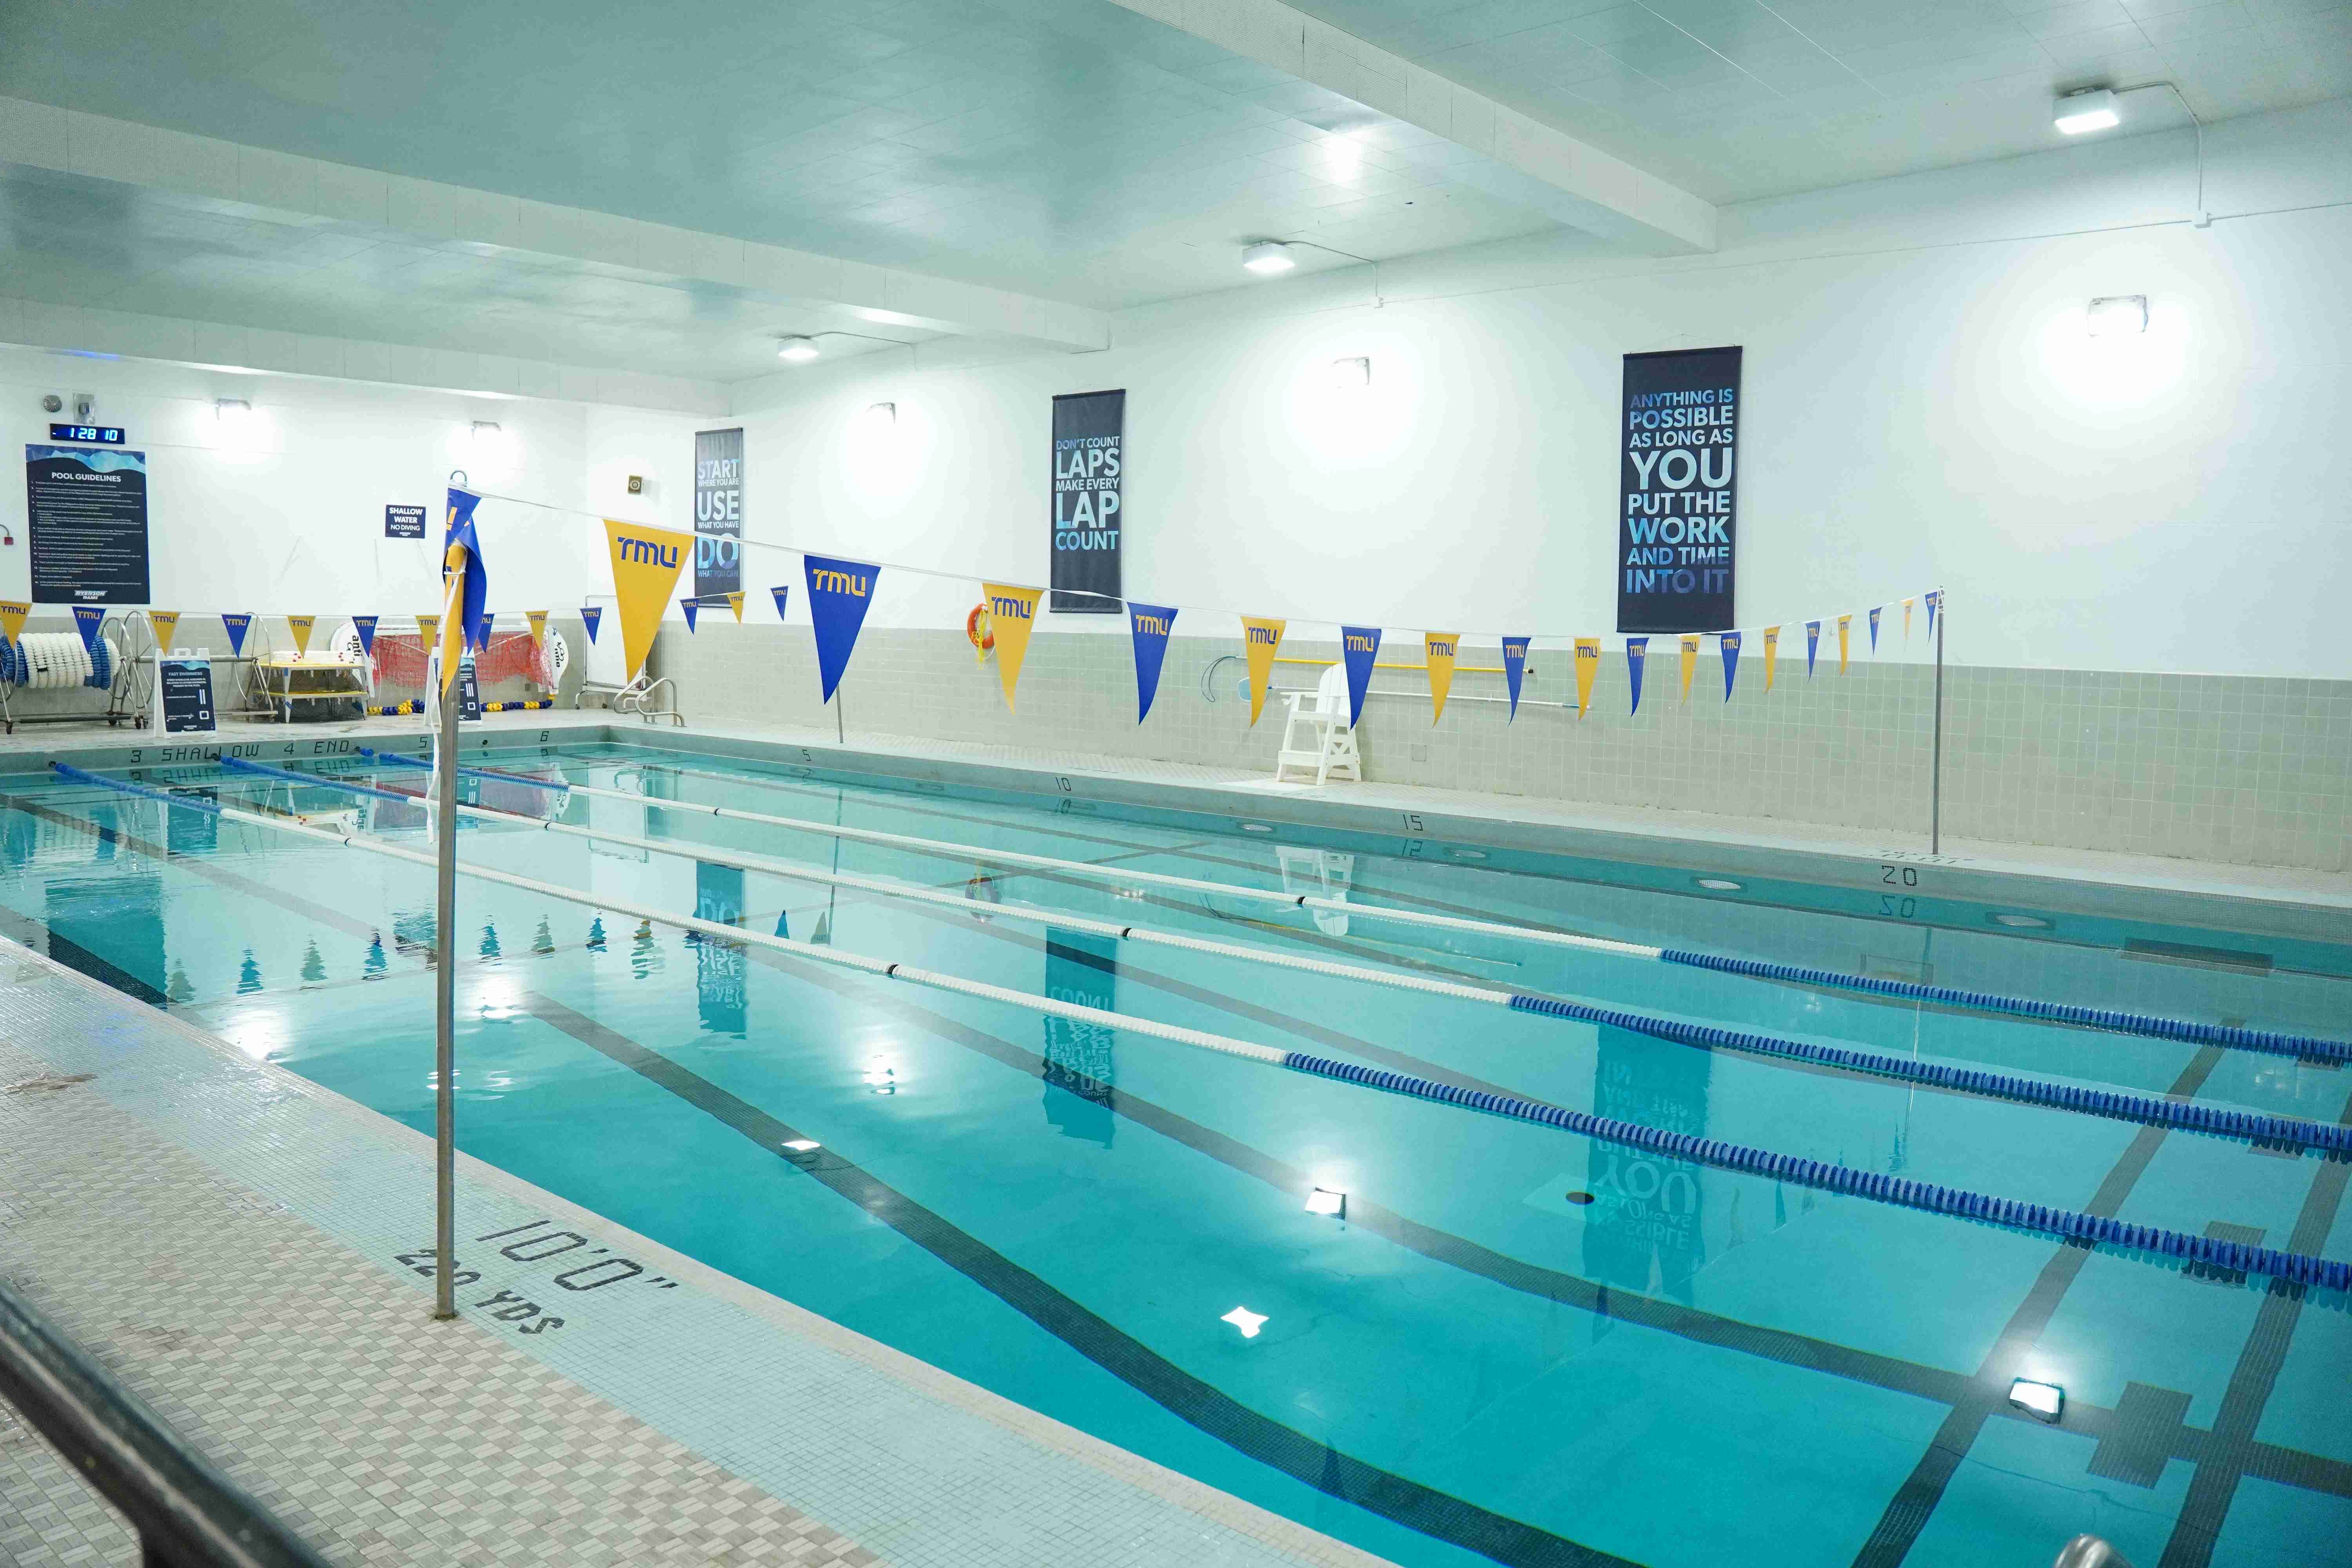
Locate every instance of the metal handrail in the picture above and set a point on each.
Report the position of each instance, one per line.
(2089, 1551)
(188, 1514)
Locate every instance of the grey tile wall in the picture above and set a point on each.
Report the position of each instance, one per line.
(2224, 768)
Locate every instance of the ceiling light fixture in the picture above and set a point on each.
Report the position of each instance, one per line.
(799, 350)
(2117, 315)
(1351, 374)
(1267, 256)
(2090, 109)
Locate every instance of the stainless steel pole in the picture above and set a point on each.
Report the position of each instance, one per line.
(1936, 762)
(445, 1005)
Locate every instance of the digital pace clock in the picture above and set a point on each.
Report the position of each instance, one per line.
(92, 435)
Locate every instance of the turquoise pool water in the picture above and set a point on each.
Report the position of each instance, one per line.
(1516, 1344)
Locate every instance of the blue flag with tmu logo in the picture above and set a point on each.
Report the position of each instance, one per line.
(1515, 667)
(839, 594)
(1153, 625)
(1358, 647)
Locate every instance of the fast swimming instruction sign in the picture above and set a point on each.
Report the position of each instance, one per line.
(1677, 534)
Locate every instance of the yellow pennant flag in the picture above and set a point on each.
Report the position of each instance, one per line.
(1012, 610)
(1690, 663)
(1906, 620)
(12, 618)
(428, 630)
(1437, 652)
(165, 624)
(1261, 639)
(646, 564)
(1845, 628)
(1771, 653)
(735, 603)
(300, 626)
(1588, 665)
(538, 619)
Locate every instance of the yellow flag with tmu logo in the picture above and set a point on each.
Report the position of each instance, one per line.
(1013, 611)
(1437, 651)
(646, 563)
(1261, 640)
(165, 624)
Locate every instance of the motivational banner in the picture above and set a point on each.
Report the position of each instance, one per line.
(164, 624)
(1013, 611)
(1588, 665)
(717, 511)
(1437, 654)
(839, 594)
(1675, 529)
(1081, 1062)
(720, 988)
(1637, 653)
(365, 627)
(646, 564)
(1089, 430)
(1515, 667)
(1151, 626)
(1729, 643)
(1360, 647)
(1261, 640)
(87, 513)
(589, 617)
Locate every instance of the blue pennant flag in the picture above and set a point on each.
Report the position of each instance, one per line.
(1151, 626)
(689, 606)
(1729, 642)
(782, 594)
(88, 619)
(839, 594)
(475, 614)
(589, 616)
(237, 627)
(1637, 653)
(1515, 669)
(1813, 645)
(1358, 647)
(365, 627)
(482, 633)
(1874, 626)
(1935, 603)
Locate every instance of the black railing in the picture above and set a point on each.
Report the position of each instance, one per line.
(188, 1514)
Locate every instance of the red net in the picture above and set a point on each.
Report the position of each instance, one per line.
(399, 661)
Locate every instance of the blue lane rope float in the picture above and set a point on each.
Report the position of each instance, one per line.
(2065, 1224)
(2247, 1124)
(2057, 1012)
(312, 780)
(2068, 1225)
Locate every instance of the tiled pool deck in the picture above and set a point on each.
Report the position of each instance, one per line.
(242, 1248)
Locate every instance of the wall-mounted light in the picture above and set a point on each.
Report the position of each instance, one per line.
(799, 350)
(2091, 110)
(2117, 315)
(1267, 256)
(882, 414)
(1351, 374)
(232, 412)
(487, 430)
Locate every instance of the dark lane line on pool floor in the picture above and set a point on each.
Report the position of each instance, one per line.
(2213, 1486)
(1908, 1512)
(1199, 1403)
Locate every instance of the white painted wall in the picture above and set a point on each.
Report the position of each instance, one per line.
(1923, 406)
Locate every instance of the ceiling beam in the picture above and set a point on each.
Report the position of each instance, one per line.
(224, 176)
(1572, 181)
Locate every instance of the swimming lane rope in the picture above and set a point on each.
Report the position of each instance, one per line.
(2236, 1039)
(2277, 1131)
(2065, 1224)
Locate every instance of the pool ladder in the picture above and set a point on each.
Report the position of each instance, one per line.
(2089, 1551)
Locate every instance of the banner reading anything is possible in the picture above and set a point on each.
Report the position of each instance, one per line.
(1089, 430)
(718, 512)
(1675, 534)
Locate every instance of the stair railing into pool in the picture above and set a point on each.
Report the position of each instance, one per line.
(2089, 1551)
(185, 1512)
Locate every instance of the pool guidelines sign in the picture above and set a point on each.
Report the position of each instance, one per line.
(1089, 473)
(1675, 525)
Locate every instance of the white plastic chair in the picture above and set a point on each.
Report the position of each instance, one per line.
(1316, 732)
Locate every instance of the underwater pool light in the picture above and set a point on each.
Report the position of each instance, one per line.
(2022, 923)
(801, 1145)
(1247, 1322)
(2046, 1400)
(1323, 1200)
(1718, 884)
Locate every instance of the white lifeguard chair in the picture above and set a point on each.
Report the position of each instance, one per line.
(1317, 734)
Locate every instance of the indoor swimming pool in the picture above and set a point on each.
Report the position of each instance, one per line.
(1381, 1295)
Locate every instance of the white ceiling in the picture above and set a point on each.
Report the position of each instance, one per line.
(1737, 99)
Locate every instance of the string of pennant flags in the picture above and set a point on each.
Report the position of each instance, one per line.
(646, 562)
